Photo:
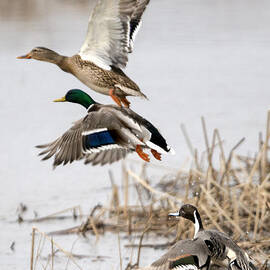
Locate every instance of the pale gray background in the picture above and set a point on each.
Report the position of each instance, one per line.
(191, 58)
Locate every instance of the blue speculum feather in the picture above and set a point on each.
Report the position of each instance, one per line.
(98, 139)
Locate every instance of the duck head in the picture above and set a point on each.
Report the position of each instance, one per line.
(190, 212)
(41, 54)
(186, 211)
(77, 96)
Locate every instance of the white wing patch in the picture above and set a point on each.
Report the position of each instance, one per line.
(98, 61)
(85, 133)
(102, 148)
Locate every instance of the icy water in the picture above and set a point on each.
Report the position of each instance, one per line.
(191, 58)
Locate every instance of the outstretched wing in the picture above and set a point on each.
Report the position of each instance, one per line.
(107, 39)
(136, 20)
(112, 28)
(95, 133)
(107, 156)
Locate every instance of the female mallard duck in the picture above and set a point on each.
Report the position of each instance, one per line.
(106, 134)
(111, 32)
(220, 245)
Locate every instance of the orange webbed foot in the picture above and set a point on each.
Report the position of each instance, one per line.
(156, 154)
(116, 99)
(141, 154)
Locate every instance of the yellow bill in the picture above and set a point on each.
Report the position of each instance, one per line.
(63, 99)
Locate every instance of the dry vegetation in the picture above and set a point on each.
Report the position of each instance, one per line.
(232, 194)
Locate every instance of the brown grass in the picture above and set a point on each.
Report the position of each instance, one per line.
(231, 192)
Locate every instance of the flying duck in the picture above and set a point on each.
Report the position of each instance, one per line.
(220, 245)
(106, 134)
(186, 255)
(112, 28)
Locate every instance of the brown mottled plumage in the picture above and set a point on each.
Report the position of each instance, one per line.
(100, 79)
(111, 32)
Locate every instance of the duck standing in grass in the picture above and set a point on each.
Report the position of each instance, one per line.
(220, 245)
(106, 134)
(112, 28)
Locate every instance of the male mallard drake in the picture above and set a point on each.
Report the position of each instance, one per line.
(106, 134)
(112, 28)
(220, 245)
(185, 255)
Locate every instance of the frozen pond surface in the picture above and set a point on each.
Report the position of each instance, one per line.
(191, 58)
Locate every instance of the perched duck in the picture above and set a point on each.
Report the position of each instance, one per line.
(220, 245)
(112, 28)
(106, 134)
(186, 255)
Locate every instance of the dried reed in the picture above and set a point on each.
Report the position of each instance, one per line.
(232, 194)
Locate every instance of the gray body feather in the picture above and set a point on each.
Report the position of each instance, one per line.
(127, 129)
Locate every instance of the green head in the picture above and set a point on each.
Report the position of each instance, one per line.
(77, 96)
